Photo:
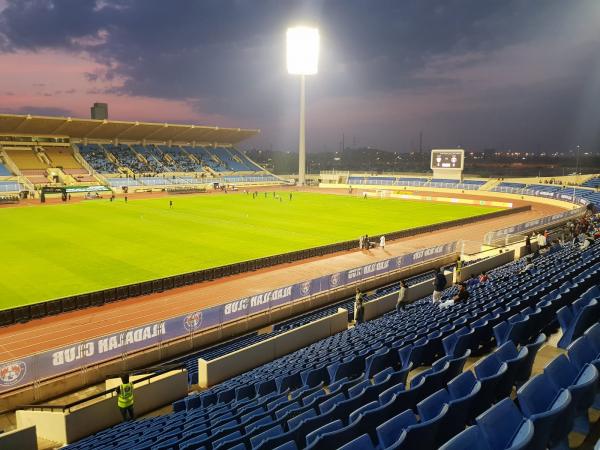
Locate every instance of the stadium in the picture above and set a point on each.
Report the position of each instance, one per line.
(163, 290)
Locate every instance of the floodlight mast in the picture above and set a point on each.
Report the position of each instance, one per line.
(302, 59)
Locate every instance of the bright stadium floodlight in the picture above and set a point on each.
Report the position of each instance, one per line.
(302, 59)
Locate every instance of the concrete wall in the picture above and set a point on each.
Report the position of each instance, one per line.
(227, 366)
(376, 308)
(86, 419)
(486, 264)
(21, 439)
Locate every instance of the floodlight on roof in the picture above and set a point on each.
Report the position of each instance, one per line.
(303, 50)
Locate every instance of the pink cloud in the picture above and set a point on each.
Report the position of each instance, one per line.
(57, 79)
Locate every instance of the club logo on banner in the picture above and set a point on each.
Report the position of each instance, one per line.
(335, 279)
(305, 288)
(12, 373)
(193, 321)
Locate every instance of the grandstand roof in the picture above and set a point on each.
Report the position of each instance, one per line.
(13, 124)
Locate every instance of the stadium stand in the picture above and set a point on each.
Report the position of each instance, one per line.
(567, 193)
(27, 159)
(180, 158)
(348, 390)
(120, 182)
(31, 165)
(245, 160)
(9, 186)
(417, 182)
(129, 159)
(4, 172)
(592, 183)
(63, 157)
(152, 159)
(97, 158)
(207, 158)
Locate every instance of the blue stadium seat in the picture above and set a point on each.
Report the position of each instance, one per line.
(363, 442)
(464, 390)
(419, 434)
(331, 426)
(504, 427)
(514, 329)
(271, 432)
(549, 410)
(470, 439)
(490, 371)
(523, 371)
(581, 385)
(513, 358)
(576, 319)
(457, 343)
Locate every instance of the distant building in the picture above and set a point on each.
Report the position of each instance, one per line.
(100, 111)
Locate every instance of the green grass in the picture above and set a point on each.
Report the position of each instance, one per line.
(61, 250)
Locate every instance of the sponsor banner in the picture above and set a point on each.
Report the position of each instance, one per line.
(532, 225)
(21, 372)
(17, 373)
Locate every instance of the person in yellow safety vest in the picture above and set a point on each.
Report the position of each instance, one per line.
(125, 398)
(459, 265)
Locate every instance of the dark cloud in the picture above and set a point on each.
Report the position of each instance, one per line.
(226, 57)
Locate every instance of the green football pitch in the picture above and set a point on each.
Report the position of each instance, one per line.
(60, 250)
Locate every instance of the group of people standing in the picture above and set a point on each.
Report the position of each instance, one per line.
(365, 244)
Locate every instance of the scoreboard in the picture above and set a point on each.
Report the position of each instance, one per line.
(447, 163)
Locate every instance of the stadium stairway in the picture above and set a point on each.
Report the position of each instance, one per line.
(489, 185)
(349, 390)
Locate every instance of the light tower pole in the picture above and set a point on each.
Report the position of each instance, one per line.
(302, 59)
(302, 137)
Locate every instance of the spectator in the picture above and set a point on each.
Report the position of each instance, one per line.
(541, 240)
(461, 296)
(401, 295)
(587, 241)
(459, 265)
(483, 278)
(359, 308)
(529, 266)
(125, 398)
(528, 244)
(439, 283)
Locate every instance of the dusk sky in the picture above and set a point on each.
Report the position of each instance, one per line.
(521, 74)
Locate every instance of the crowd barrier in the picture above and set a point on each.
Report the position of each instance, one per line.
(25, 313)
(536, 224)
(69, 423)
(235, 363)
(55, 362)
